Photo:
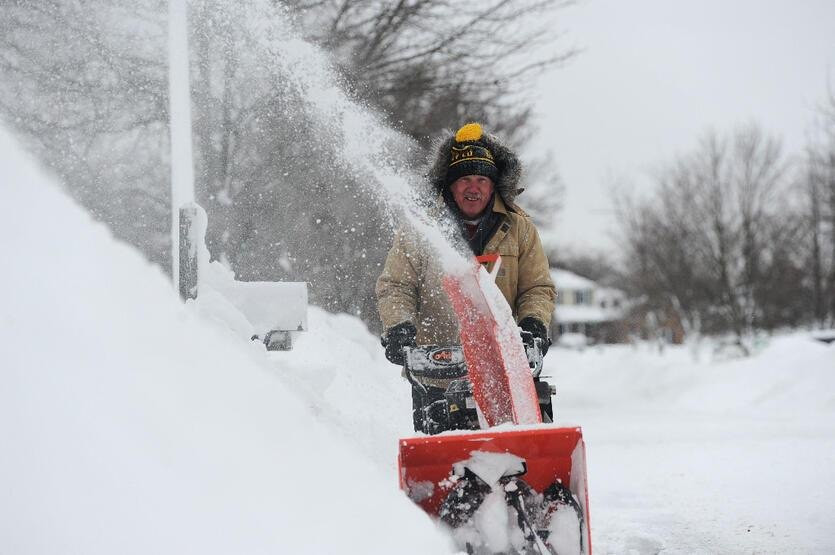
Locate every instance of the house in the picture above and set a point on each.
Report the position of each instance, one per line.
(587, 308)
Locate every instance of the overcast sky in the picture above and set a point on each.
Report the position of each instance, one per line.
(656, 74)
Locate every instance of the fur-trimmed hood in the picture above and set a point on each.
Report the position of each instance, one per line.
(507, 162)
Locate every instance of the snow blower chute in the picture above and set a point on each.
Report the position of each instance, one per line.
(519, 487)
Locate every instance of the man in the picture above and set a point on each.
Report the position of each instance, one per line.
(477, 177)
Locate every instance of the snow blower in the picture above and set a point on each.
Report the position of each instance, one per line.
(501, 479)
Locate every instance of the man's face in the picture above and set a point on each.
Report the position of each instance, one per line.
(471, 194)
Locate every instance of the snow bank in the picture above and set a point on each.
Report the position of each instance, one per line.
(129, 425)
(700, 456)
(340, 372)
(793, 373)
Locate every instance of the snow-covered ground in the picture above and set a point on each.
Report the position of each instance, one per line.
(129, 424)
(684, 456)
(706, 457)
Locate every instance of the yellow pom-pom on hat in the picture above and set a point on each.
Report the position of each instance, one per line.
(469, 156)
(469, 132)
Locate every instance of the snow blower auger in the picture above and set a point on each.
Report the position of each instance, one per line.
(516, 488)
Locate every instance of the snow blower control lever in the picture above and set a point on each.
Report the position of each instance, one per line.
(444, 394)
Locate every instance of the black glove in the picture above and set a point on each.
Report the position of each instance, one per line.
(397, 337)
(536, 329)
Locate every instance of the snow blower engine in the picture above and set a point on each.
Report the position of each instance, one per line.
(442, 395)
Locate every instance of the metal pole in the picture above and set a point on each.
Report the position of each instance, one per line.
(191, 239)
(182, 169)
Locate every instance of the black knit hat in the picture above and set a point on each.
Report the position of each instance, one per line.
(469, 156)
(508, 167)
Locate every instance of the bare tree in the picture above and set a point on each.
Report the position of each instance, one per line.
(598, 266)
(85, 81)
(828, 182)
(711, 235)
(432, 64)
(428, 64)
(85, 84)
(818, 182)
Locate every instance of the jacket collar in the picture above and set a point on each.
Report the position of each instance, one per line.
(499, 205)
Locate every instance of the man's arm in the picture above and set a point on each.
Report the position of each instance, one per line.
(397, 286)
(535, 291)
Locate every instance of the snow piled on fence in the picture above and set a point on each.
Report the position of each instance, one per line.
(129, 425)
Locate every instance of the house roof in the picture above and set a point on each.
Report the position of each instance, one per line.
(563, 279)
(582, 314)
(585, 313)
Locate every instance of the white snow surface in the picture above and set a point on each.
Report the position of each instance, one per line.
(490, 467)
(564, 531)
(689, 455)
(563, 279)
(585, 314)
(129, 423)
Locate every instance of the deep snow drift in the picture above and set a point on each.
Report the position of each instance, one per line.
(706, 457)
(128, 424)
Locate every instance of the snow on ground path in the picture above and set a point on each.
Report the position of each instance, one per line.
(684, 457)
(339, 369)
(688, 457)
(128, 425)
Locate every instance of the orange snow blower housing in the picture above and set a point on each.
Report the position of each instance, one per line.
(551, 454)
(546, 460)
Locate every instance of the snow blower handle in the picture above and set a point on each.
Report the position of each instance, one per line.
(434, 363)
(407, 372)
(533, 350)
(396, 339)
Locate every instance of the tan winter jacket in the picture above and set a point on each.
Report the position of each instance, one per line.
(410, 286)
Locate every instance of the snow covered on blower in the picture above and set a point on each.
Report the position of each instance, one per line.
(503, 480)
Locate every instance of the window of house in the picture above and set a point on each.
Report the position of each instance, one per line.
(582, 296)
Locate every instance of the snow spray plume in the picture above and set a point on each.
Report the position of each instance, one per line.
(344, 127)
